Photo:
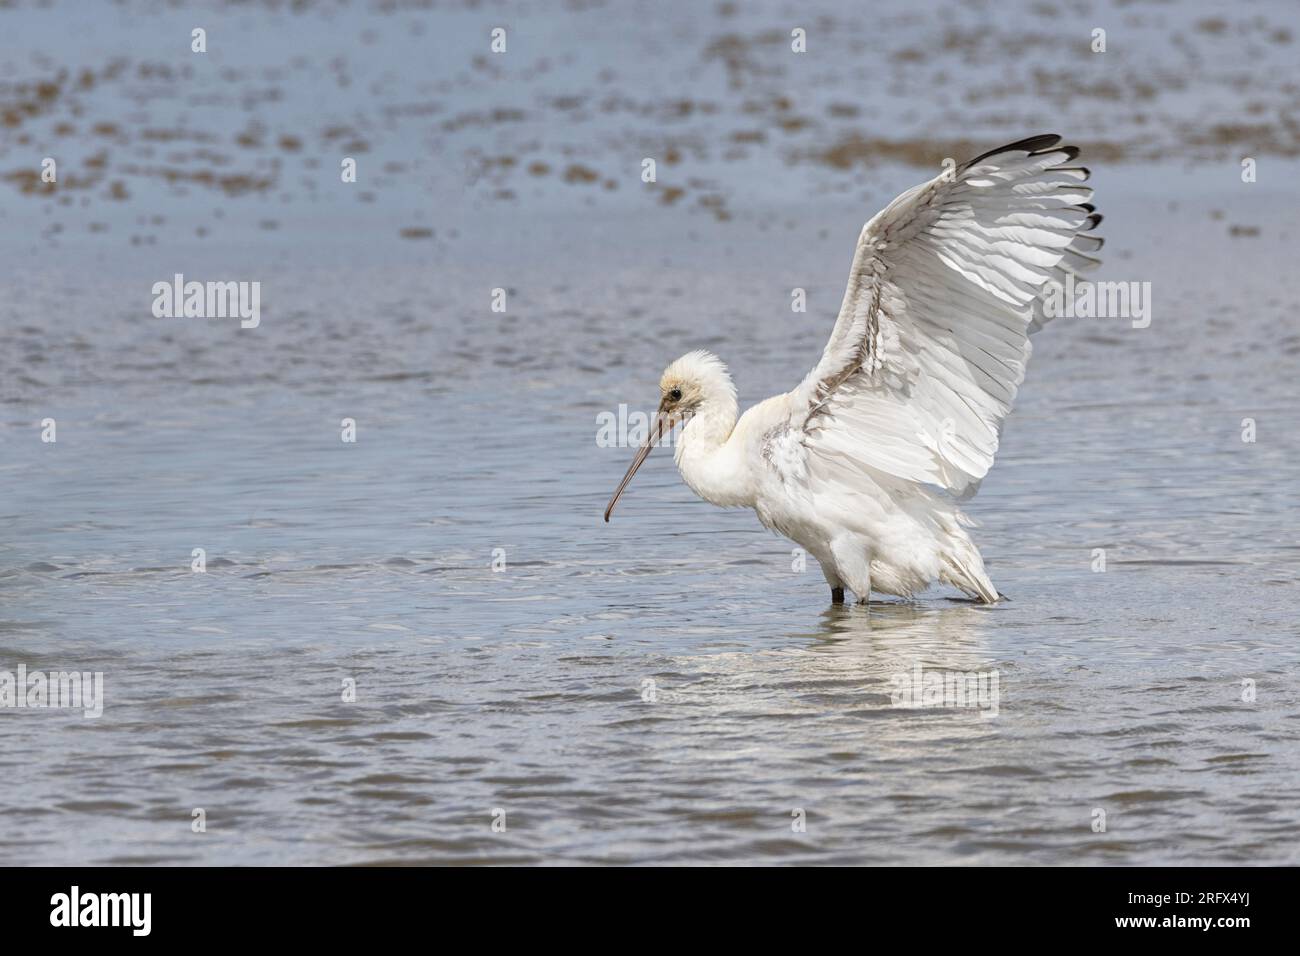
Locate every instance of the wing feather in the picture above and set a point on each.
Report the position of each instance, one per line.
(932, 338)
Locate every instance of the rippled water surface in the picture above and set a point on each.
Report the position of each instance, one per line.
(670, 687)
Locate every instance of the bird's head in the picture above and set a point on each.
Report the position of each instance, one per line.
(689, 384)
(696, 384)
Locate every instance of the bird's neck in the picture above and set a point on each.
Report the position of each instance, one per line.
(710, 458)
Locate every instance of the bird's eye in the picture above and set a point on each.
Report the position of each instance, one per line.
(675, 395)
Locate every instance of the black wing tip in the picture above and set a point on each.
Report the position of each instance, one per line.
(1032, 144)
(1092, 220)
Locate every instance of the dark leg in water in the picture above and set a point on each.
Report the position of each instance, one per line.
(837, 595)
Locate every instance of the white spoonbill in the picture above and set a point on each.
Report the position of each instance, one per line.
(863, 462)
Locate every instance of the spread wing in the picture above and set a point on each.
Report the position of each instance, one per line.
(932, 338)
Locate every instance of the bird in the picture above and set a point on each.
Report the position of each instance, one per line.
(866, 462)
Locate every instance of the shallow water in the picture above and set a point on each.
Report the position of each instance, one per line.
(525, 689)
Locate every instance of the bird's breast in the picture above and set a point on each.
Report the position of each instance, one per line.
(721, 475)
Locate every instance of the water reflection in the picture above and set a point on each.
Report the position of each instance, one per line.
(940, 632)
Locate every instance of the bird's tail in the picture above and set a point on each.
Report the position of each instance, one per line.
(964, 569)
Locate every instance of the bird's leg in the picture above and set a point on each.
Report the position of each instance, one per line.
(837, 586)
(852, 565)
